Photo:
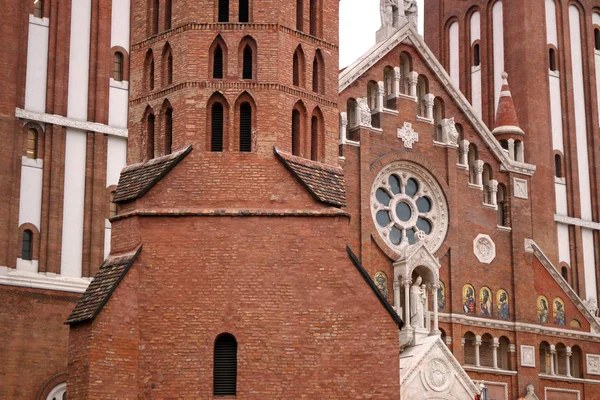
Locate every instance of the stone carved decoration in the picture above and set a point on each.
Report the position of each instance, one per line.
(408, 135)
(531, 393)
(520, 188)
(528, 245)
(484, 248)
(527, 356)
(592, 305)
(411, 11)
(387, 9)
(418, 299)
(593, 364)
(438, 374)
(449, 132)
(391, 11)
(364, 112)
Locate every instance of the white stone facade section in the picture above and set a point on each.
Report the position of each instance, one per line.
(30, 206)
(484, 248)
(551, 27)
(560, 189)
(37, 64)
(520, 188)
(476, 100)
(564, 248)
(475, 27)
(408, 135)
(119, 24)
(118, 103)
(527, 356)
(27, 265)
(73, 203)
(454, 53)
(498, 38)
(45, 280)
(79, 59)
(593, 364)
(107, 234)
(556, 111)
(589, 265)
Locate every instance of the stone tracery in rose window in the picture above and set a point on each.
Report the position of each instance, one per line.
(408, 205)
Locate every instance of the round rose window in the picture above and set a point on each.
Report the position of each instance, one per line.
(408, 205)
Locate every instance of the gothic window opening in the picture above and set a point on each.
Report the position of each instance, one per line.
(597, 39)
(317, 78)
(486, 350)
(170, 69)
(503, 356)
(558, 166)
(27, 245)
(544, 357)
(388, 80)
(149, 71)
(247, 63)
(296, 133)
(298, 67)
(299, 15)
(351, 111)
(316, 123)
(476, 55)
(405, 69)
(244, 11)
(167, 65)
(314, 17)
(154, 17)
(245, 127)
(560, 366)
(218, 63)
(576, 362)
(422, 90)
(168, 130)
(32, 144)
(168, 12)
(564, 272)
(150, 137)
(225, 366)
(38, 8)
(216, 143)
(118, 66)
(372, 95)
(223, 10)
(552, 59)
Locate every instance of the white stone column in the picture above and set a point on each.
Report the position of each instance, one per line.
(434, 296)
(493, 190)
(397, 296)
(511, 148)
(406, 283)
(379, 99)
(412, 81)
(495, 345)
(478, 168)
(428, 99)
(427, 313)
(569, 354)
(477, 344)
(552, 354)
(396, 85)
(463, 149)
(343, 127)
(520, 152)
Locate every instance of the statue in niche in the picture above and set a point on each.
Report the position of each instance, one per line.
(387, 9)
(364, 112)
(418, 298)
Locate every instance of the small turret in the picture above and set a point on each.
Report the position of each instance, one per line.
(507, 130)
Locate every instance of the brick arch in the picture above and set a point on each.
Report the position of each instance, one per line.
(167, 65)
(41, 135)
(218, 41)
(217, 97)
(251, 42)
(318, 77)
(299, 67)
(149, 71)
(148, 136)
(50, 384)
(34, 240)
(125, 54)
(244, 97)
(298, 138)
(317, 137)
(166, 128)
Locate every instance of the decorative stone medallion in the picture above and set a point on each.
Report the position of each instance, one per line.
(408, 135)
(520, 188)
(484, 248)
(408, 206)
(593, 364)
(527, 356)
(438, 374)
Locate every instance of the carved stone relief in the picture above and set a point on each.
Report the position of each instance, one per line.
(527, 356)
(484, 248)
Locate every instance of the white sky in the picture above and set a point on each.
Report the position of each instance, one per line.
(359, 20)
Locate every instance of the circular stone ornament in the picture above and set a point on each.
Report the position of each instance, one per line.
(408, 205)
(438, 374)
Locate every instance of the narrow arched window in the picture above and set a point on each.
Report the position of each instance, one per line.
(38, 8)
(169, 68)
(314, 138)
(32, 145)
(565, 273)
(223, 10)
(225, 366)
(216, 143)
(168, 11)
(315, 75)
(168, 130)
(552, 59)
(476, 55)
(149, 71)
(118, 66)
(27, 245)
(150, 137)
(247, 66)
(151, 76)
(245, 127)
(597, 39)
(218, 63)
(154, 16)
(502, 204)
(296, 132)
(314, 17)
(244, 11)
(296, 70)
(558, 166)
(300, 15)
(112, 209)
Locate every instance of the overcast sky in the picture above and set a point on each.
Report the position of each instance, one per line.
(359, 20)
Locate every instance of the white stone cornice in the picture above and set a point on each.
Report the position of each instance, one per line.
(584, 223)
(47, 281)
(70, 123)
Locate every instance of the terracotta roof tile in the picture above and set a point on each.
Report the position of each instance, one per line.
(324, 182)
(102, 286)
(506, 115)
(137, 179)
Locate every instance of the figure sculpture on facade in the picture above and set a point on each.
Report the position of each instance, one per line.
(364, 112)
(387, 9)
(411, 11)
(418, 298)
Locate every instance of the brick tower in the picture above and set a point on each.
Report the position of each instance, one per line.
(228, 272)
(554, 75)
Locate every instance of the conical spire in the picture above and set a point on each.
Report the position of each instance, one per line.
(506, 116)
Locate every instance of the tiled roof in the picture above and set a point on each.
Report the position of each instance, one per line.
(324, 182)
(137, 179)
(506, 116)
(102, 286)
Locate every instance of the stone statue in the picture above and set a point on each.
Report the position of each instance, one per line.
(449, 132)
(591, 305)
(417, 304)
(386, 9)
(411, 11)
(364, 112)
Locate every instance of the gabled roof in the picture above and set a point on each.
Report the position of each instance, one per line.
(137, 179)
(408, 35)
(324, 182)
(101, 288)
(371, 284)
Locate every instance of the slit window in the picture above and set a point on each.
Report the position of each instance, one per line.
(245, 127)
(118, 66)
(296, 132)
(38, 8)
(218, 63)
(597, 39)
(300, 15)
(558, 166)
(244, 12)
(315, 77)
(154, 27)
(296, 70)
(27, 245)
(169, 68)
(247, 63)
(32, 147)
(225, 366)
(565, 273)
(168, 8)
(223, 10)
(314, 138)
(216, 143)
(552, 59)
(150, 137)
(314, 15)
(476, 55)
(168, 130)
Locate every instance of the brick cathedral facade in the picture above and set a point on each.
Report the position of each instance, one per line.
(262, 225)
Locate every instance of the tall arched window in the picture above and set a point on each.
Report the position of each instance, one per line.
(544, 356)
(38, 8)
(351, 113)
(558, 166)
(316, 134)
(469, 348)
(576, 362)
(388, 81)
(225, 366)
(486, 350)
(472, 156)
(503, 356)
(223, 10)
(150, 137)
(296, 132)
(27, 245)
(58, 393)
(422, 90)
(149, 70)
(502, 205)
(167, 65)
(247, 67)
(314, 17)
(218, 63)
(318, 68)
(597, 39)
(216, 143)
(405, 69)
(245, 127)
(476, 55)
(438, 115)
(168, 12)
(300, 15)
(244, 11)
(32, 144)
(298, 67)
(486, 178)
(118, 66)
(168, 130)
(564, 272)
(154, 17)
(552, 59)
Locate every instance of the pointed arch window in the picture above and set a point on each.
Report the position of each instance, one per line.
(149, 71)
(27, 245)
(32, 144)
(223, 10)
(225, 366)
(218, 62)
(150, 137)
(300, 15)
(245, 127)
(118, 66)
(168, 130)
(296, 69)
(167, 57)
(247, 63)
(314, 137)
(168, 13)
(170, 68)
(38, 8)
(296, 132)
(244, 11)
(216, 143)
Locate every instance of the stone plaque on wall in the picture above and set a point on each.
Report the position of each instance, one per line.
(527, 356)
